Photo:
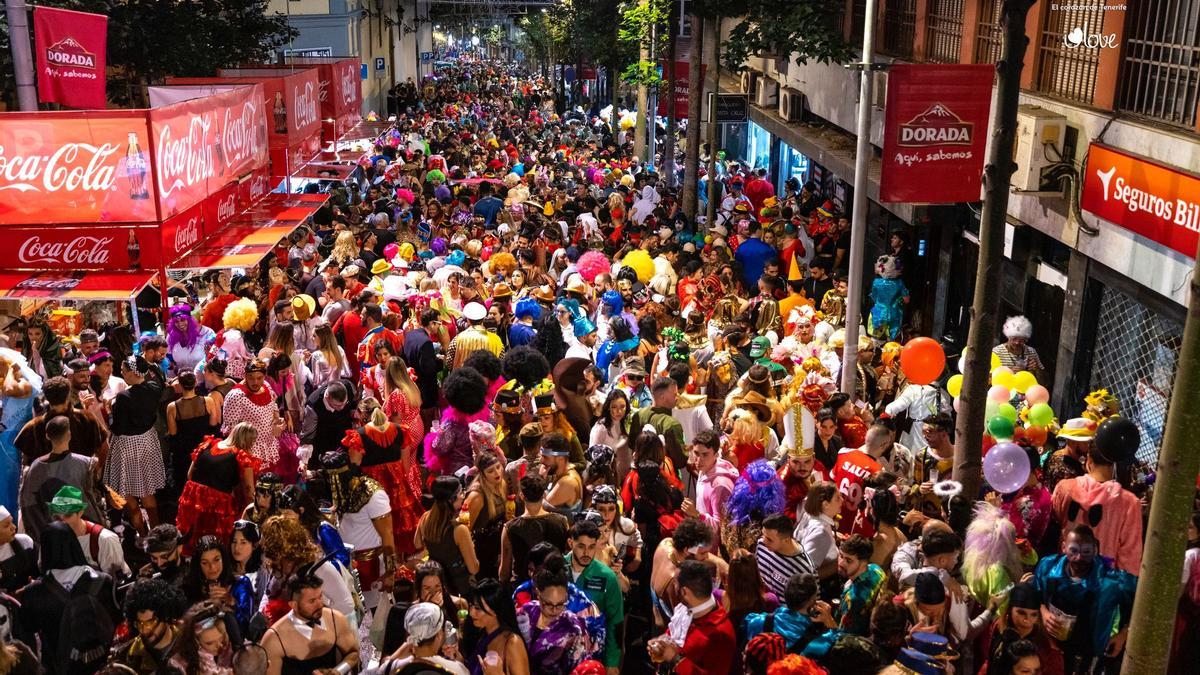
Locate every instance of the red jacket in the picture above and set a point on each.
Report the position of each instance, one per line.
(710, 645)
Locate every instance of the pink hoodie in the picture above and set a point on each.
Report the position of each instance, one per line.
(713, 490)
(1117, 523)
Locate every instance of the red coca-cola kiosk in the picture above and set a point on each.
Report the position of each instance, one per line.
(291, 102)
(94, 203)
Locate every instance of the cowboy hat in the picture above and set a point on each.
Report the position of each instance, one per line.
(543, 293)
(381, 266)
(758, 404)
(303, 307)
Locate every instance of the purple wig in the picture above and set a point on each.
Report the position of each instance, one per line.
(187, 338)
(757, 494)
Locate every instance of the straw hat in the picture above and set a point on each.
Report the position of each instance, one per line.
(758, 404)
(303, 307)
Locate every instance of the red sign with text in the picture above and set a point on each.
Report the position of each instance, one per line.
(340, 89)
(203, 144)
(682, 89)
(292, 110)
(75, 167)
(71, 51)
(935, 132)
(1159, 202)
(112, 247)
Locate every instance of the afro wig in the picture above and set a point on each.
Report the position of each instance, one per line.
(757, 494)
(526, 366)
(240, 315)
(486, 363)
(465, 390)
(641, 263)
(503, 263)
(528, 307)
(592, 264)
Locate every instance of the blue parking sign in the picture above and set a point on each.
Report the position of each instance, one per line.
(379, 64)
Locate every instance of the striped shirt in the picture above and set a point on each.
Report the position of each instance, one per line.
(777, 569)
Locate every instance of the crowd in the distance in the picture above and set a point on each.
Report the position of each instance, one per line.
(502, 408)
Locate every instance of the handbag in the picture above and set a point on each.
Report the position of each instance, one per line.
(379, 621)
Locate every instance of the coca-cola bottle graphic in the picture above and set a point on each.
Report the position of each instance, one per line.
(136, 170)
(219, 151)
(280, 114)
(134, 249)
(46, 285)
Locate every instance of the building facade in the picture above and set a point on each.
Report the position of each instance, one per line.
(1107, 299)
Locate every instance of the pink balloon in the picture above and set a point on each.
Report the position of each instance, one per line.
(999, 394)
(1037, 394)
(956, 399)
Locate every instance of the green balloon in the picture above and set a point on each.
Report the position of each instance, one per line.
(1041, 414)
(1000, 428)
(1007, 411)
(990, 409)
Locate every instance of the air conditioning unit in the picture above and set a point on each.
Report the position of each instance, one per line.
(748, 80)
(771, 68)
(1036, 129)
(791, 104)
(767, 95)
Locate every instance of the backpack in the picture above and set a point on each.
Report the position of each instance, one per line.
(85, 629)
(93, 531)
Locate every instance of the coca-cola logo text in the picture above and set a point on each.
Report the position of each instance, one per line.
(187, 234)
(78, 251)
(258, 187)
(74, 167)
(227, 209)
(323, 94)
(349, 86)
(239, 134)
(304, 106)
(185, 161)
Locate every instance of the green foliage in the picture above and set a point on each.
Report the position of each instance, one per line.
(495, 36)
(642, 72)
(150, 39)
(804, 29)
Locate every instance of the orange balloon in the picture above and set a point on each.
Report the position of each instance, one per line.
(1036, 435)
(922, 360)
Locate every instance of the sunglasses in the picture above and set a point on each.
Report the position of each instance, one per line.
(553, 606)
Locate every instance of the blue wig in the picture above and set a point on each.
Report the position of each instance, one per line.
(612, 299)
(528, 307)
(757, 494)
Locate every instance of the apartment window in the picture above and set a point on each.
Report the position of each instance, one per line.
(858, 20)
(1070, 71)
(1160, 75)
(991, 32)
(943, 32)
(899, 27)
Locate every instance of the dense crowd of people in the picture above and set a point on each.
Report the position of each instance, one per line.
(502, 408)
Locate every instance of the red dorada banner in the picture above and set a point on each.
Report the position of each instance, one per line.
(71, 54)
(205, 143)
(934, 133)
(108, 247)
(1159, 202)
(682, 89)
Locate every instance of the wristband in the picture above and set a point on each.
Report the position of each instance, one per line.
(343, 668)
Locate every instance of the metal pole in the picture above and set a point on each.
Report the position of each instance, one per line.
(22, 53)
(858, 223)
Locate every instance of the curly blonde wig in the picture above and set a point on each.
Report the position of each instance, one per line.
(285, 540)
(240, 315)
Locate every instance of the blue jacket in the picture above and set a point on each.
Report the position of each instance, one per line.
(794, 626)
(1102, 603)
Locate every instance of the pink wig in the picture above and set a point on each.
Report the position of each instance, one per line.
(405, 195)
(592, 264)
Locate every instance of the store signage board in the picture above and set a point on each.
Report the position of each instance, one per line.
(1159, 202)
(732, 108)
(935, 133)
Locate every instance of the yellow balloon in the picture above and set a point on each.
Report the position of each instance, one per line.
(954, 385)
(995, 361)
(1002, 376)
(1023, 380)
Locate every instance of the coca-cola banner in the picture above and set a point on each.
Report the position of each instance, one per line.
(340, 89)
(203, 144)
(75, 167)
(113, 247)
(74, 285)
(254, 188)
(71, 52)
(934, 133)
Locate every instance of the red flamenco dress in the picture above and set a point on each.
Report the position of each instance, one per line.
(382, 456)
(206, 505)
